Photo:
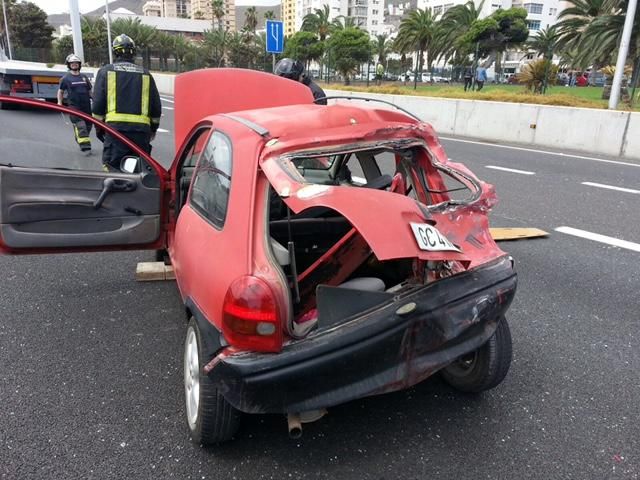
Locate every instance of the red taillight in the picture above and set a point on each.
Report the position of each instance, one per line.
(250, 317)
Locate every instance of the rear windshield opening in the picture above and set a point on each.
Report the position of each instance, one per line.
(407, 171)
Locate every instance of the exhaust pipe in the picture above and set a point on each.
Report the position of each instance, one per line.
(295, 421)
(295, 425)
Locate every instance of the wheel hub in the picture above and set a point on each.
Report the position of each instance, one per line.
(191, 377)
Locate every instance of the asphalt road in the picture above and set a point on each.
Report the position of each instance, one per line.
(90, 360)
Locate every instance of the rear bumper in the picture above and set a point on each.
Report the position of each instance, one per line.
(375, 353)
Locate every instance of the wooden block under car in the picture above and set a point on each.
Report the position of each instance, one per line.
(510, 233)
(150, 271)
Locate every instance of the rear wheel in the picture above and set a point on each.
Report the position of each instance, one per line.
(485, 367)
(211, 419)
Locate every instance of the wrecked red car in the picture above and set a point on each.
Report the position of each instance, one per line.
(323, 253)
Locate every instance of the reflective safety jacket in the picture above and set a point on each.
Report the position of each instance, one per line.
(126, 97)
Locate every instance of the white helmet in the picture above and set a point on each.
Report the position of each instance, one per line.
(72, 58)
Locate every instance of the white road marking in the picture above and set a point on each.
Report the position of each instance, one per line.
(167, 108)
(610, 187)
(596, 237)
(545, 152)
(167, 100)
(162, 130)
(513, 170)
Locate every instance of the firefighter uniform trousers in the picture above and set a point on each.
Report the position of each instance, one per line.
(81, 130)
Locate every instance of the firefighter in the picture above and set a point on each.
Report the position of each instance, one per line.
(294, 70)
(127, 99)
(78, 88)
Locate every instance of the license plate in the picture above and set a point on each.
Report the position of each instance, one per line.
(431, 240)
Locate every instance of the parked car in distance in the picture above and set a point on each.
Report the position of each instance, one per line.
(322, 253)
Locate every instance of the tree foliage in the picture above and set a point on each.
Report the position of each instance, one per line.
(28, 26)
(304, 46)
(544, 43)
(418, 33)
(318, 23)
(497, 32)
(349, 48)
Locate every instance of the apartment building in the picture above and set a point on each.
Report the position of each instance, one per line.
(202, 10)
(541, 14)
(289, 16)
(305, 7)
(152, 8)
(367, 14)
(176, 8)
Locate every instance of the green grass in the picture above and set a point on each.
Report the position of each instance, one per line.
(585, 97)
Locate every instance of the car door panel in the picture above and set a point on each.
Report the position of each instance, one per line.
(49, 208)
(45, 207)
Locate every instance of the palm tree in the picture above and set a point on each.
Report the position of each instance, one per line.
(163, 44)
(417, 33)
(269, 15)
(215, 45)
(544, 43)
(181, 47)
(573, 23)
(143, 35)
(318, 22)
(218, 12)
(342, 23)
(251, 19)
(381, 47)
(455, 23)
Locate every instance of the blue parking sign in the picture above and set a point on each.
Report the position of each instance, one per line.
(275, 36)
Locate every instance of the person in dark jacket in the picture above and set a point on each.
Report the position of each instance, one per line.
(78, 89)
(126, 98)
(294, 70)
(468, 78)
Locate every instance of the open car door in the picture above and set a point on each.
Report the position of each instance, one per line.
(45, 206)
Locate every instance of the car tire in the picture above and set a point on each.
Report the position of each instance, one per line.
(485, 367)
(210, 418)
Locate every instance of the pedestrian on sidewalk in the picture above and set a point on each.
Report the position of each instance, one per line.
(468, 78)
(481, 77)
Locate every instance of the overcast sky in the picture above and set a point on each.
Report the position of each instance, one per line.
(60, 6)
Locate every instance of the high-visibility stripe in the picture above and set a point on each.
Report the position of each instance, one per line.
(80, 139)
(111, 92)
(99, 117)
(144, 104)
(127, 118)
(155, 120)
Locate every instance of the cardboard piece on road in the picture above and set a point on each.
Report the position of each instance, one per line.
(154, 271)
(501, 234)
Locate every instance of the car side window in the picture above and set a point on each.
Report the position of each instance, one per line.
(188, 162)
(197, 144)
(212, 180)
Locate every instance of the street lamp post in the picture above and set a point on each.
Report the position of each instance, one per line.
(106, 6)
(6, 29)
(622, 54)
(76, 28)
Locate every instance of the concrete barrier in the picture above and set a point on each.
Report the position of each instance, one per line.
(592, 131)
(589, 130)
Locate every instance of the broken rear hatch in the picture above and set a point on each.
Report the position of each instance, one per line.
(458, 285)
